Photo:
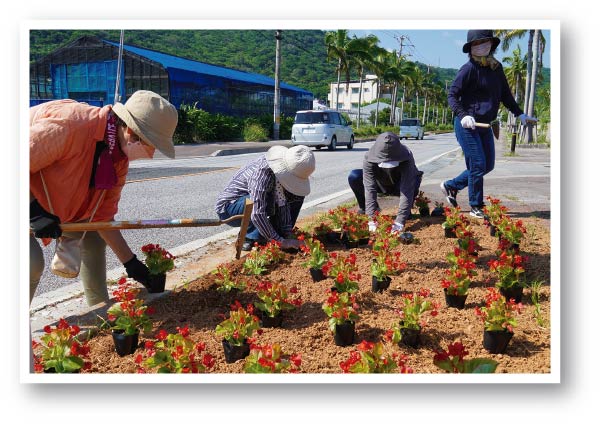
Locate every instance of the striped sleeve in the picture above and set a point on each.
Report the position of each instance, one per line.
(260, 184)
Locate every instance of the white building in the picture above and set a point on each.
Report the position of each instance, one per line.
(348, 99)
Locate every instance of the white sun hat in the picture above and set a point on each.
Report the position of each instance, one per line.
(152, 118)
(292, 167)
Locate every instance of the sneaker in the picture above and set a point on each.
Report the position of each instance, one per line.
(450, 194)
(249, 244)
(476, 212)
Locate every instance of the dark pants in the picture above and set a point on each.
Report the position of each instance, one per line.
(355, 180)
(480, 156)
(237, 208)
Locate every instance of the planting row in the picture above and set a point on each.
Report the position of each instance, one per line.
(176, 352)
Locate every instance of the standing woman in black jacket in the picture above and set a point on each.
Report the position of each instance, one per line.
(475, 96)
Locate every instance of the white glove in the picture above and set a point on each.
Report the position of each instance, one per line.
(397, 227)
(290, 244)
(526, 119)
(468, 122)
(372, 226)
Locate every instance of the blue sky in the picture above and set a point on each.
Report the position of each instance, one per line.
(440, 47)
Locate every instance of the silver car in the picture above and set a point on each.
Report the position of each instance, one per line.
(320, 128)
(411, 128)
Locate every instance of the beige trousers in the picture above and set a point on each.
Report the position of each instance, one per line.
(93, 266)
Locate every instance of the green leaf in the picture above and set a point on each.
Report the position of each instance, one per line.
(445, 365)
(72, 363)
(480, 366)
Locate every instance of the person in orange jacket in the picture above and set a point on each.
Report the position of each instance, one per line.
(79, 159)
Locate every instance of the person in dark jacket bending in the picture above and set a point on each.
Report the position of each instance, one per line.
(474, 97)
(389, 168)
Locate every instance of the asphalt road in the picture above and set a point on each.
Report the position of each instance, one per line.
(188, 188)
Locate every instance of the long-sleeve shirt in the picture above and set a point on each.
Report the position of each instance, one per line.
(478, 90)
(257, 180)
(62, 141)
(402, 178)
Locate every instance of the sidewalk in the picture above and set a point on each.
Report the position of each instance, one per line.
(522, 182)
(223, 148)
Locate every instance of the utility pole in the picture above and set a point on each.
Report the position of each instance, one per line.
(276, 111)
(400, 39)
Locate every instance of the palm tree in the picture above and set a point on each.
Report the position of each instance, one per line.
(408, 70)
(533, 63)
(515, 71)
(380, 66)
(337, 46)
(534, 72)
(360, 51)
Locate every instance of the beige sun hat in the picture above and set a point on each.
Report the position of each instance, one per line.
(292, 167)
(152, 118)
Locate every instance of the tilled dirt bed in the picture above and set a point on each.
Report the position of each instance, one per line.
(201, 307)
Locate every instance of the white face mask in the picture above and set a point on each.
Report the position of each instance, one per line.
(481, 49)
(137, 150)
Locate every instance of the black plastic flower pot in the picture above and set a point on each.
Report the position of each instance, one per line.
(235, 353)
(125, 344)
(406, 238)
(363, 241)
(157, 283)
(344, 334)
(333, 237)
(317, 274)
(496, 341)
(493, 230)
(351, 244)
(410, 336)
(437, 212)
(515, 292)
(378, 286)
(455, 300)
(424, 211)
(270, 322)
(449, 232)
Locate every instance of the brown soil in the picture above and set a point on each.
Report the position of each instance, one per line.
(305, 331)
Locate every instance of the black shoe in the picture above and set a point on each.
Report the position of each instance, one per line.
(476, 212)
(450, 194)
(249, 244)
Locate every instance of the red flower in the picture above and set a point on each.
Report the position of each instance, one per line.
(365, 346)
(296, 359)
(208, 361)
(162, 335)
(185, 331)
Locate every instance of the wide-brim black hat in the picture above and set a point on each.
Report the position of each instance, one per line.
(480, 34)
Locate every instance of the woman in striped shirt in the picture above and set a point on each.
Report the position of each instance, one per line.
(277, 183)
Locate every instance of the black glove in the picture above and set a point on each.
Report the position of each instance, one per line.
(138, 271)
(43, 223)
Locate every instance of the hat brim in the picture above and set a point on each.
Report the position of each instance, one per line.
(495, 43)
(164, 146)
(293, 184)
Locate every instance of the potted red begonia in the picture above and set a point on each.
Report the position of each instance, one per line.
(174, 354)
(499, 320)
(342, 310)
(127, 317)
(158, 261)
(59, 350)
(236, 330)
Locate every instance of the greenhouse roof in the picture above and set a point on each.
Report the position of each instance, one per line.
(174, 62)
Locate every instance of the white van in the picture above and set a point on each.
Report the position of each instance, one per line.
(411, 128)
(320, 128)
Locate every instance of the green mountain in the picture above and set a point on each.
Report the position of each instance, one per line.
(303, 54)
(304, 59)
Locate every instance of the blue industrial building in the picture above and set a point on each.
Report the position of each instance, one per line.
(86, 69)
